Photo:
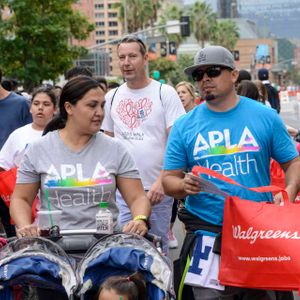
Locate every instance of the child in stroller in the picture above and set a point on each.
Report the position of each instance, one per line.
(28, 261)
(132, 287)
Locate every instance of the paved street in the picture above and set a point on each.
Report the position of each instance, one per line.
(290, 113)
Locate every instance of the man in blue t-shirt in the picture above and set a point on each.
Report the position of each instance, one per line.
(14, 113)
(235, 136)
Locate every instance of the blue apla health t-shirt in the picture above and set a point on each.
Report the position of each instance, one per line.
(238, 144)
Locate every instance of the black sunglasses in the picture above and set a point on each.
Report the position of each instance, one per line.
(211, 72)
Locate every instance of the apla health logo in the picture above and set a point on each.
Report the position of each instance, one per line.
(221, 143)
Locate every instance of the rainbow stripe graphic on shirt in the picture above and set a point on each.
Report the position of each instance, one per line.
(221, 143)
(102, 178)
(219, 150)
(72, 182)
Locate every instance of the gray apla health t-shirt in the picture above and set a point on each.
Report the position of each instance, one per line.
(75, 182)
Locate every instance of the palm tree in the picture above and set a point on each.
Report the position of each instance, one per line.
(203, 21)
(226, 34)
(138, 13)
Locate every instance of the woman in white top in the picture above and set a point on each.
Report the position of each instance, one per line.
(43, 107)
(186, 93)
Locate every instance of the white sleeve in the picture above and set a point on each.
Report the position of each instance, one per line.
(172, 104)
(8, 153)
(108, 124)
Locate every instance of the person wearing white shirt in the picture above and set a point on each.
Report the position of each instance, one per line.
(43, 107)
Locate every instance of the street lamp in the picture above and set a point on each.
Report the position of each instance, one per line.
(125, 18)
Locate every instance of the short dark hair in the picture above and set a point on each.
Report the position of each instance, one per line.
(243, 75)
(134, 39)
(78, 71)
(7, 85)
(0, 75)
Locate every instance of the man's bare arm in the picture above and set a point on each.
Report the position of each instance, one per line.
(178, 184)
(292, 177)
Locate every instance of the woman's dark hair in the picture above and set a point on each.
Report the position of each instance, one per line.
(262, 90)
(248, 89)
(45, 90)
(133, 286)
(102, 83)
(73, 91)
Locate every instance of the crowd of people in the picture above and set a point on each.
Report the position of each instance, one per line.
(134, 145)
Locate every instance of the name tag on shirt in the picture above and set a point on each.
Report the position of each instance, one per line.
(204, 266)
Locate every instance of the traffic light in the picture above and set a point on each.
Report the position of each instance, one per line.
(163, 49)
(172, 48)
(185, 28)
(236, 55)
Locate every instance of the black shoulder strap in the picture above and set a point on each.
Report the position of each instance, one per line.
(113, 97)
(160, 92)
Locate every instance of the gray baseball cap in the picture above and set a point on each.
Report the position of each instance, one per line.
(211, 55)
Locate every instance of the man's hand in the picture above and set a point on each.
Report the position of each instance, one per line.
(191, 184)
(279, 198)
(156, 192)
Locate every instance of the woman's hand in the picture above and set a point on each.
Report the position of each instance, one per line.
(139, 227)
(28, 230)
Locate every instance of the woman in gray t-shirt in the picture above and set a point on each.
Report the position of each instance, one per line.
(75, 167)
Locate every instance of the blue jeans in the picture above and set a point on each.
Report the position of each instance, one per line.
(159, 219)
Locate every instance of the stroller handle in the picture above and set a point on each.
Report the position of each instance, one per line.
(91, 234)
(65, 232)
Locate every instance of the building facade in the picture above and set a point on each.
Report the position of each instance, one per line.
(104, 14)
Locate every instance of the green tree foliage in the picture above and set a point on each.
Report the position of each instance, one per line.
(203, 21)
(139, 13)
(35, 39)
(226, 34)
(172, 71)
(164, 66)
(183, 61)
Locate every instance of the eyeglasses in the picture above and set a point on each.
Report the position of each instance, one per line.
(211, 72)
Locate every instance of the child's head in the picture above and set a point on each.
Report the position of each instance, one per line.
(131, 287)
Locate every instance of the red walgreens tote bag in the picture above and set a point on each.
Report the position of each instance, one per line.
(260, 241)
(278, 176)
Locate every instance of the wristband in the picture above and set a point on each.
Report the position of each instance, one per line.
(142, 218)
